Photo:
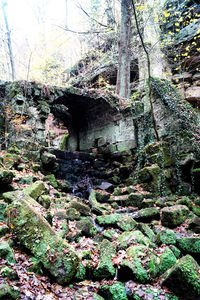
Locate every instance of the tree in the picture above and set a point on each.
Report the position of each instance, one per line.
(3, 4)
(123, 74)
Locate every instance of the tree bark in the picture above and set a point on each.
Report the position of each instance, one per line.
(4, 3)
(123, 74)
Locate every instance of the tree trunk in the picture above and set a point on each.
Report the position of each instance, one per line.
(4, 3)
(123, 74)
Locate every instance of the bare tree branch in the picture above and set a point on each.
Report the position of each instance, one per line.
(81, 32)
(85, 12)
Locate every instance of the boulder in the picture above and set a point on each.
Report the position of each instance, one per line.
(105, 267)
(189, 245)
(166, 237)
(147, 214)
(174, 216)
(8, 273)
(129, 237)
(109, 220)
(35, 233)
(6, 177)
(127, 223)
(35, 190)
(167, 260)
(192, 93)
(3, 206)
(86, 227)
(194, 224)
(81, 207)
(132, 267)
(136, 199)
(7, 253)
(183, 278)
(9, 292)
(115, 291)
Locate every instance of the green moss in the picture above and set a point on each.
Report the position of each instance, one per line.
(3, 206)
(167, 260)
(115, 291)
(189, 245)
(108, 220)
(51, 180)
(81, 273)
(183, 278)
(109, 234)
(148, 214)
(129, 237)
(132, 268)
(176, 251)
(9, 273)
(63, 143)
(174, 215)
(166, 237)
(81, 207)
(196, 210)
(127, 223)
(146, 230)
(86, 227)
(35, 190)
(34, 232)
(8, 292)
(7, 253)
(105, 267)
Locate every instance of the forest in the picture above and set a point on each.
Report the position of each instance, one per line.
(100, 149)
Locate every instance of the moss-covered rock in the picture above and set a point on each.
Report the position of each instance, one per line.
(105, 268)
(174, 215)
(110, 234)
(194, 224)
(6, 177)
(189, 245)
(8, 292)
(166, 237)
(152, 176)
(8, 273)
(3, 230)
(157, 153)
(45, 201)
(81, 207)
(136, 199)
(183, 278)
(52, 180)
(35, 233)
(146, 230)
(115, 291)
(129, 237)
(147, 214)
(3, 206)
(102, 196)
(7, 253)
(48, 160)
(36, 266)
(109, 220)
(127, 223)
(81, 273)
(97, 208)
(86, 227)
(132, 267)
(35, 190)
(72, 214)
(167, 260)
(10, 160)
